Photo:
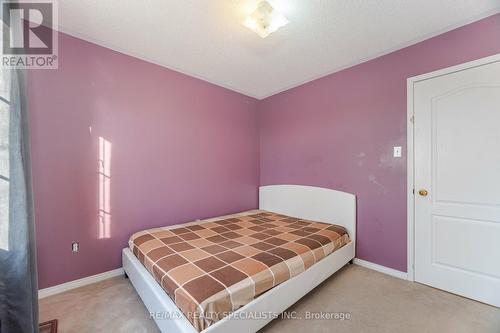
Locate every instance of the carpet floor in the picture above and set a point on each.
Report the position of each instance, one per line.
(373, 302)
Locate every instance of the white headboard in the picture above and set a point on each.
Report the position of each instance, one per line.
(312, 203)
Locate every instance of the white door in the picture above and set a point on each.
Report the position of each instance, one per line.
(457, 172)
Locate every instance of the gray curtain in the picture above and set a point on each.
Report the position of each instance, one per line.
(18, 276)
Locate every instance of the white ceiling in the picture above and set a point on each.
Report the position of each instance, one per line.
(205, 38)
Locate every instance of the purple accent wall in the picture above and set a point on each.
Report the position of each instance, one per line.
(338, 132)
(180, 149)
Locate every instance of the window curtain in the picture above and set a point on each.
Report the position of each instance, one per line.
(18, 276)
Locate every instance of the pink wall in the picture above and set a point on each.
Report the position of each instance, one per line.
(181, 149)
(338, 132)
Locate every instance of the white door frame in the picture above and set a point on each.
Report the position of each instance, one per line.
(410, 149)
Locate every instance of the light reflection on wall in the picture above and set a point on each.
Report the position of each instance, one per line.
(104, 216)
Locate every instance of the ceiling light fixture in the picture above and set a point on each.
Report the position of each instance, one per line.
(265, 20)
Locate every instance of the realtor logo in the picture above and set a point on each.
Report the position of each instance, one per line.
(29, 35)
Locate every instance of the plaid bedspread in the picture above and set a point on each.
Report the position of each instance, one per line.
(212, 267)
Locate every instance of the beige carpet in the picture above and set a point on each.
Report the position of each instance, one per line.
(375, 302)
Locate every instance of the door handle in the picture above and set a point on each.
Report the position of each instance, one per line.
(423, 192)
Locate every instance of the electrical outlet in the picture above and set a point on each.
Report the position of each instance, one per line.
(397, 151)
(75, 247)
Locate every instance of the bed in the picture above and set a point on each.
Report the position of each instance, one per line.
(237, 272)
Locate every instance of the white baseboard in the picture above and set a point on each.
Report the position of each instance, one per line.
(79, 283)
(42, 293)
(381, 269)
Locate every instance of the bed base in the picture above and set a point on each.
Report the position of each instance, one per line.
(276, 300)
(312, 203)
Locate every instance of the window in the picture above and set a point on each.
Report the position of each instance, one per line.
(4, 158)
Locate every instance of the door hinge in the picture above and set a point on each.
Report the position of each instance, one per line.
(412, 119)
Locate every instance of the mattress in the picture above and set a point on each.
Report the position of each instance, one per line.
(210, 268)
